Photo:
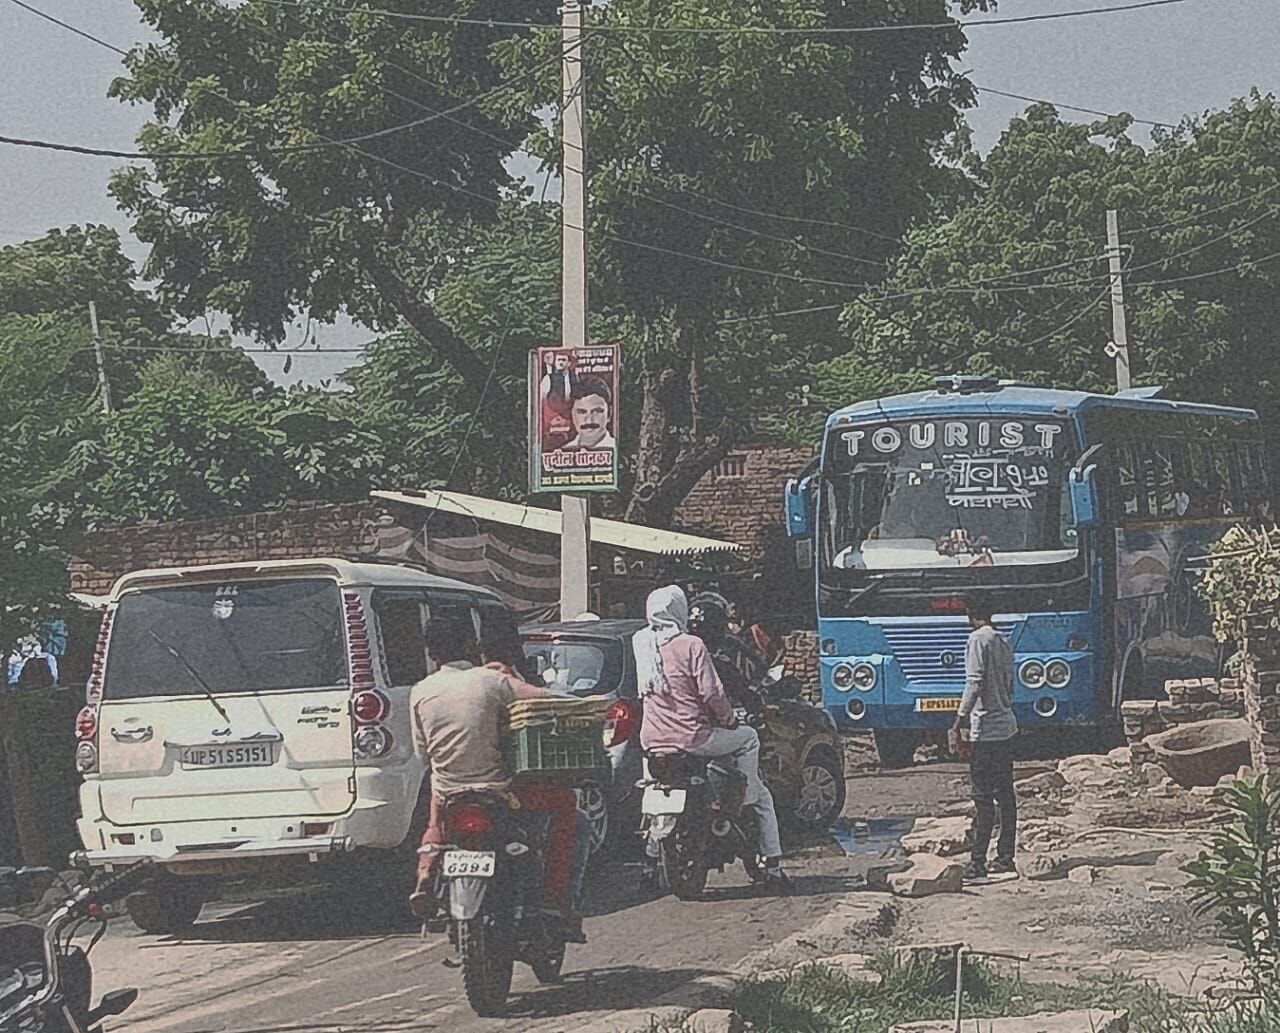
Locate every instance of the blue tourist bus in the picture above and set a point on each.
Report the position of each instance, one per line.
(1078, 515)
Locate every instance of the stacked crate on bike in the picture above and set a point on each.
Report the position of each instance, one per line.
(557, 738)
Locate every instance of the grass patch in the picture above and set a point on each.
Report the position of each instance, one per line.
(819, 1000)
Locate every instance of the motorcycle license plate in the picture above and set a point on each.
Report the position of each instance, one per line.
(476, 864)
(658, 802)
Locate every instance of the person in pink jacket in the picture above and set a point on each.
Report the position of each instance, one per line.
(686, 709)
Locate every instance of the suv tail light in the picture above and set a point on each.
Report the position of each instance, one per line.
(621, 721)
(370, 709)
(87, 720)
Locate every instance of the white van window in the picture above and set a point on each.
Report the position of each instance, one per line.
(248, 636)
(402, 635)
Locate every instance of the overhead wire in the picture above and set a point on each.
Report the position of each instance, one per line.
(1072, 107)
(740, 30)
(69, 27)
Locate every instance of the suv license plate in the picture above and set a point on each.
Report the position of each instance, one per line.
(658, 802)
(477, 864)
(257, 755)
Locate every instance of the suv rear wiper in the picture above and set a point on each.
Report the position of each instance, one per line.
(195, 675)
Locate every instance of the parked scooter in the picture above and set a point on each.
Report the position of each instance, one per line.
(46, 979)
(490, 885)
(695, 820)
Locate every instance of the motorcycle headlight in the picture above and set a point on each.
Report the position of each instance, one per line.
(864, 677)
(843, 677)
(1057, 673)
(1032, 674)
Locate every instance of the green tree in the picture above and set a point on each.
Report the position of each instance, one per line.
(1016, 282)
(835, 129)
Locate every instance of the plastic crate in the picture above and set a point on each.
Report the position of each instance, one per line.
(562, 750)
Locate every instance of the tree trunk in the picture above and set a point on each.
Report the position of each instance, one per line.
(476, 372)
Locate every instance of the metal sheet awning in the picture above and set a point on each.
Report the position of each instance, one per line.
(616, 533)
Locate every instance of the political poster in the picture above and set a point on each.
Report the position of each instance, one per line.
(573, 419)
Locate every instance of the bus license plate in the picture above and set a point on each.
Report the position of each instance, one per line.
(938, 705)
(258, 755)
(476, 864)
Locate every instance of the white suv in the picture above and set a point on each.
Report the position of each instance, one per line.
(240, 717)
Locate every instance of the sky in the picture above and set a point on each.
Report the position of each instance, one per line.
(1159, 64)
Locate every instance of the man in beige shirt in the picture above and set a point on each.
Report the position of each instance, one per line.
(459, 714)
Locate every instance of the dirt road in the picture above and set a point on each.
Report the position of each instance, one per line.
(304, 962)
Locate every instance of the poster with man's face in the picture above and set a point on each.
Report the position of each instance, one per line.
(573, 419)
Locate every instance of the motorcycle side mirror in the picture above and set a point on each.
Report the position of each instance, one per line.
(116, 1001)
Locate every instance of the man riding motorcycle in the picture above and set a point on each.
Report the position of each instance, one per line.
(739, 666)
(686, 709)
(459, 714)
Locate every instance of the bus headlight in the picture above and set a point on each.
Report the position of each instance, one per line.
(1057, 673)
(843, 677)
(1032, 674)
(864, 677)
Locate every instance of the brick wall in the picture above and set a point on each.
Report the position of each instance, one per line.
(298, 531)
(741, 499)
(1261, 680)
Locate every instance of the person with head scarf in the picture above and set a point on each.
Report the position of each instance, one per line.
(687, 710)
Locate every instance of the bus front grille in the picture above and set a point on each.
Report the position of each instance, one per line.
(932, 653)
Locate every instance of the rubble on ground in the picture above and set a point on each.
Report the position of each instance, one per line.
(928, 874)
(1088, 1021)
(942, 836)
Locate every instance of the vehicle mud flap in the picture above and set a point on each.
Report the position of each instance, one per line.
(466, 897)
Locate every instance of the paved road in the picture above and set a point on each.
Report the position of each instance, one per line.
(304, 964)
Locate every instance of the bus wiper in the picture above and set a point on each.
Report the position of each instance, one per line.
(195, 675)
(878, 581)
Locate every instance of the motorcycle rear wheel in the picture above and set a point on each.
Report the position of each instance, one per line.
(685, 871)
(487, 965)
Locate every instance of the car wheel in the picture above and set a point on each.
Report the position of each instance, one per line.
(822, 790)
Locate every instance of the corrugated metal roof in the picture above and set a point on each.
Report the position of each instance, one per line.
(616, 533)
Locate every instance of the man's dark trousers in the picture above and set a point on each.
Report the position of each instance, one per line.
(991, 772)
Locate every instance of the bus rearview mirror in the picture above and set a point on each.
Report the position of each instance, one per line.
(1084, 497)
(799, 507)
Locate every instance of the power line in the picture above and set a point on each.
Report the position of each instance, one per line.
(70, 28)
(1208, 211)
(1070, 107)
(739, 30)
(325, 144)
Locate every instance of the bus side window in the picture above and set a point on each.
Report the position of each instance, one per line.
(1127, 480)
(1160, 500)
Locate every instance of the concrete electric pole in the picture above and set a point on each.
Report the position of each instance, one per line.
(103, 386)
(575, 514)
(1118, 348)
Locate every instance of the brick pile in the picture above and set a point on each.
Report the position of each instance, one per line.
(802, 663)
(1192, 699)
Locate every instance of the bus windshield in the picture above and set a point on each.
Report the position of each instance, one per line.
(948, 492)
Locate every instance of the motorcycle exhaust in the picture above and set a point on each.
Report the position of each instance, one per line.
(721, 827)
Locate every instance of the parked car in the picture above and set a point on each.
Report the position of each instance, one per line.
(244, 717)
(801, 758)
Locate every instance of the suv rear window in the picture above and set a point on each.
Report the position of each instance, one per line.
(248, 636)
(578, 667)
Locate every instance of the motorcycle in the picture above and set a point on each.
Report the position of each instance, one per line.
(46, 979)
(490, 884)
(695, 820)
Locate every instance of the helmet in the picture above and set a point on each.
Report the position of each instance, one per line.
(709, 617)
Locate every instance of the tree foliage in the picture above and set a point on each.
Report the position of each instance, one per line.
(1017, 281)
(393, 229)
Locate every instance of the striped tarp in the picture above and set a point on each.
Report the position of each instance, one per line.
(526, 580)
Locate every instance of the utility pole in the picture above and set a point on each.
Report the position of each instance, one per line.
(1119, 346)
(575, 514)
(104, 387)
